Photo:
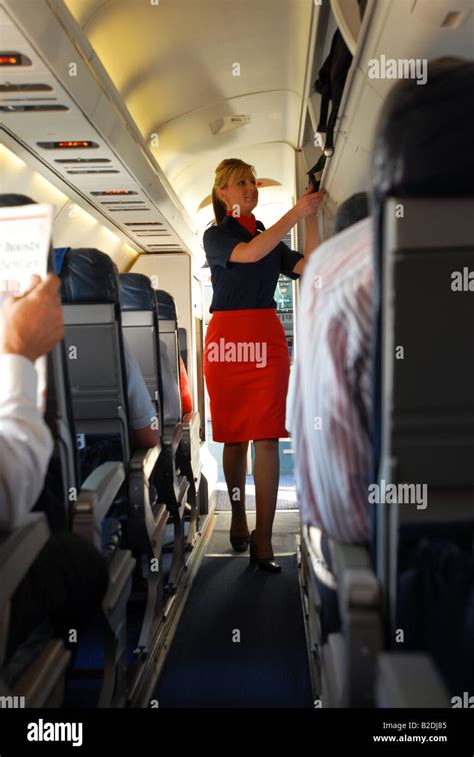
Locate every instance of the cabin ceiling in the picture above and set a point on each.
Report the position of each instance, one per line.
(174, 65)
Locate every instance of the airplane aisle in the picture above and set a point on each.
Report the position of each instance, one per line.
(241, 639)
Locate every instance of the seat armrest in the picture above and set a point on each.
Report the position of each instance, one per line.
(356, 579)
(171, 436)
(145, 460)
(359, 601)
(18, 550)
(190, 447)
(42, 683)
(99, 491)
(409, 679)
(333, 658)
(190, 419)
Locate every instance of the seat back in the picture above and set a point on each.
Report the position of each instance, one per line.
(140, 326)
(62, 477)
(169, 356)
(183, 345)
(427, 374)
(38, 658)
(93, 337)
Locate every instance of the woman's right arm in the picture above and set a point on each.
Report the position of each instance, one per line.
(262, 244)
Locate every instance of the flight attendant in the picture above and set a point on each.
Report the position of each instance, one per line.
(246, 360)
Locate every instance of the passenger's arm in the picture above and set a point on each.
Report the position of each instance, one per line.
(29, 327)
(25, 440)
(262, 244)
(145, 437)
(142, 415)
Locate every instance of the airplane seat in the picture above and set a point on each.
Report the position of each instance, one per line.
(421, 541)
(424, 531)
(423, 408)
(183, 345)
(169, 355)
(140, 324)
(189, 447)
(37, 670)
(421, 591)
(94, 337)
(98, 380)
(38, 667)
(345, 659)
(66, 469)
(60, 420)
(85, 506)
(191, 442)
(88, 279)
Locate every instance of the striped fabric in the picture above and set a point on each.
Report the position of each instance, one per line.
(330, 393)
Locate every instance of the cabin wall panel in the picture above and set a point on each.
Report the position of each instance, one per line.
(174, 272)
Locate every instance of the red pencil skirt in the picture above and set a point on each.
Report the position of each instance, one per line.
(247, 368)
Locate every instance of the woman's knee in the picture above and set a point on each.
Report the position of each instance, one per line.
(236, 446)
(266, 445)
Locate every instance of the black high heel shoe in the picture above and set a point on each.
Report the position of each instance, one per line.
(269, 565)
(239, 543)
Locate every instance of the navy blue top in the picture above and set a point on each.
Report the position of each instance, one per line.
(242, 286)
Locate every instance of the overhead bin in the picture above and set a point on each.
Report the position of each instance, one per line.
(419, 30)
(348, 15)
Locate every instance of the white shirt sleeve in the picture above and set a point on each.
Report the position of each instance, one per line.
(140, 405)
(25, 440)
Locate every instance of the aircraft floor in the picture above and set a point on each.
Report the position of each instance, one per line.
(241, 639)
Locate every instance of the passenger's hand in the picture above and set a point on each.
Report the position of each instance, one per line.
(32, 324)
(309, 203)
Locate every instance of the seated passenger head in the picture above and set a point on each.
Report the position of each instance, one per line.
(423, 144)
(13, 200)
(226, 192)
(352, 210)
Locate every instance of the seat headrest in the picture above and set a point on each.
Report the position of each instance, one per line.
(434, 157)
(137, 292)
(89, 275)
(166, 306)
(14, 200)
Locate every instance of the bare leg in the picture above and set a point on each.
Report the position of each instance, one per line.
(235, 470)
(266, 475)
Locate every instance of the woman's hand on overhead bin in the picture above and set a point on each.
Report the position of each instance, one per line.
(309, 203)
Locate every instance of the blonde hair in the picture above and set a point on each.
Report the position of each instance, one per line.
(224, 171)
